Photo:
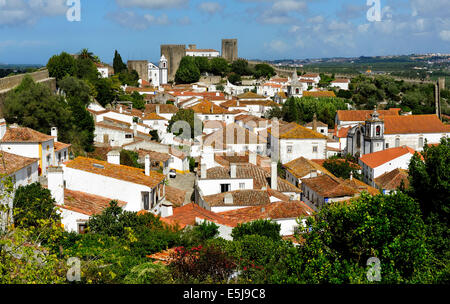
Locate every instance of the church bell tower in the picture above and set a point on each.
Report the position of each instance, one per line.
(374, 133)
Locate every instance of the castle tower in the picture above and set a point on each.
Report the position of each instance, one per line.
(230, 49)
(374, 134)
(163, 72)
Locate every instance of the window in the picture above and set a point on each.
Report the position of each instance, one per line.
(289, 149)
(224, 188)
(420, 142)
(128, 135)
(387, 146)
(82, 228)
(241, 186)
(321, 131)
(315, 149)
(397, 142)
(378, 131)
(206, 117)
(145, 200)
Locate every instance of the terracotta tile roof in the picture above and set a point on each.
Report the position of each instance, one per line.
(319, 94)
(186, 215)
(175, 196)
(273, 85)
(153, 116)
(274, 211)
(329, 187)
(86, 203)
(376, 159)
(250, 95)
(116, 121)
(154, 156)
(341, 80)
(237, 134)
(319, 124)
(214, 124)
(244, 198)
(58, 146)
(164, 257)
(23, 134)
(301, 167)
(295, 131)
(277, 79)
(343, 132)
(362, 115)
(10, 163)
(342, 160)
(163, 108)
(120, 172)
(393, 179)
(361, 186)
(413, 124)
(201, 50)
(207, 107)
(239, 158)
(261, 177)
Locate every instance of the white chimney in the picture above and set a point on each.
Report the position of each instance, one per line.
(134, 129)
(228, 199)
(274, 176)
(2, 128)
(54, 133)
(55, 176)
(252, 158)
(121, 109)
(203, 169)
(351, 175)
(147, 165)
(157, 109)
(166, 209)
(113, 157)
(233, 169)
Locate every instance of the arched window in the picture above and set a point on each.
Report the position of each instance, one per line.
(397, 142)
(297, 91)
(378, 131)
(420, 142)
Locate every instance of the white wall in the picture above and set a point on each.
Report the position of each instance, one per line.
(212, 186)
(112, 188)
(300, 147)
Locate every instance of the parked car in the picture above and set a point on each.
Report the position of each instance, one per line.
(172, 173)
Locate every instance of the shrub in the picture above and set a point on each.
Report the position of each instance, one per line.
(259, 227)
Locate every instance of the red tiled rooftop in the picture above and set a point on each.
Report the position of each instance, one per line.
(376, 159)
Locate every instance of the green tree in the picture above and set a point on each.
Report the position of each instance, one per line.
(33, 203)
(234, 78)
(342, 168)
(240, 67)
(118, 64)
(86, 69)
(130, 78)
(187, 72)
(33, 105)
(263, 70)
(219, 66)
(203, 64)
(61, 65)
(188, 116)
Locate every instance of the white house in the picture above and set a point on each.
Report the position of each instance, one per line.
(341, 83)
(209, 53)
(375, 164)
(140, 189)
(30, 143)
(291, 141)
(22, 171)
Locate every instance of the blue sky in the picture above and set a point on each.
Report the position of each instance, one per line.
(31, 31)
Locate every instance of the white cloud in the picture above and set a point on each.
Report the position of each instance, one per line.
(316, 19)
(210, 7)
(153, 4)
(288, 6)
(26, 12)
(136, 21)
(445, 35)
(277, 46)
